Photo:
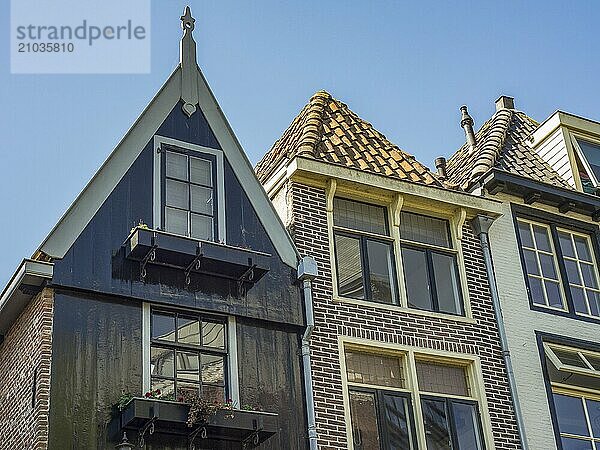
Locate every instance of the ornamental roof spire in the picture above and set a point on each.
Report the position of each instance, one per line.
(189, 65)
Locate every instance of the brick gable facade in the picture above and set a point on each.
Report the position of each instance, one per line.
(307, 220)
(25, 360)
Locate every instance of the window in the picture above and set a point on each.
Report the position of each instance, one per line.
(381, 404)
(189, 194)
(560, 268)
(590, 152)
(430, 264)
(364, 252)
(188, 354)
(574, 375)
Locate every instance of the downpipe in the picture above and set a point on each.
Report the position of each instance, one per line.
(307, 272)
(481, 225)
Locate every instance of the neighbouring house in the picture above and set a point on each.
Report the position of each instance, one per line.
(406, 352)
(545, 253)
(171, 277)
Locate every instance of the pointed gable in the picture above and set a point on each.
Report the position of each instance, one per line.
(187, 92)
(327, 130)
(502, 143)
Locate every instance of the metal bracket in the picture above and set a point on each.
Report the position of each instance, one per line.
(254, 439)
(147, 428)
(202, 432)
(194, 265)
(247, 277)
(149, 257)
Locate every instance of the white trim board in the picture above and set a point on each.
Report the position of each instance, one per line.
(89, 201)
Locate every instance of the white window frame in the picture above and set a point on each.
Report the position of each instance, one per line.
(233, 387)
(219, 182)
(410, 355)
(579, 152)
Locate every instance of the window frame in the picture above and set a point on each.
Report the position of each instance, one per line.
(162, 144)
(364, 237)
(409, 358)
(575, 137)
(556, 223)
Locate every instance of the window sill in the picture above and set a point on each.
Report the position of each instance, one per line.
(417, 312)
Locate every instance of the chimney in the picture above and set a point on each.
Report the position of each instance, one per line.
(505, 102)
(440, 165)
(466, 122)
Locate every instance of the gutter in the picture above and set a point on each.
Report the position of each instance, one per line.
(481, 225)
(307, 272)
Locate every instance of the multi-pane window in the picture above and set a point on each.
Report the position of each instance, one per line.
(574, 375)
(188, 354)
(560, 267)
(189, 195)
(364, 252)
(430, 264)
(381, 404)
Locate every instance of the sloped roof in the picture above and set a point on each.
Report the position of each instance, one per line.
(327, 130)
(502, 144)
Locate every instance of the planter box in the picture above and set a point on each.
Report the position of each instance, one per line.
(171, 417)
(213, 258)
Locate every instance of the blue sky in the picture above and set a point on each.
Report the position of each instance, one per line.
(406, 67)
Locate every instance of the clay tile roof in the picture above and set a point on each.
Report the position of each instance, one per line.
(502, 144)
(327, 130)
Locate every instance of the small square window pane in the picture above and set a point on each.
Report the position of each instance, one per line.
(442, 379)
(380, 271)
(553, 294)
(594, 301)
(589, 275)
(595, 362)
(548, 268)
(536, 291)
(416, 278)
(187, 366)
(369, 368)
(570, 415)
(177, 166)
(163, 326)
(525, 234)
(177, 194)
(579, 300)
(424, 229)
(176, 221)
(186, 390)
(349, 267)
(566, 244)
(202, 200)
(446, 283)
(542, 239)
(213, 335)
(569, 357)
(213, 369)
(359, 216)
(201, 171)
(572, 272)
(188, 330)
(531, 262)
(202, 227)
(162, 362)
(213, 394)
(583, 250)
(166, 388)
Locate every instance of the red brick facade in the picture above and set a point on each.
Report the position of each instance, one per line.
(308, 226)
(25, 357)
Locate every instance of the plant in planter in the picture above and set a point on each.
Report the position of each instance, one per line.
(202, 409)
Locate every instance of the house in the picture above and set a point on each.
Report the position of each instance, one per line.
(406, 351)
(170, 278)
(545, 254)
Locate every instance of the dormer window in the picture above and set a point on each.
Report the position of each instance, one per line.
(589, 152)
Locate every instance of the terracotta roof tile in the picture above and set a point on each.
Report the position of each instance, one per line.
(327, 130)
(501, 143)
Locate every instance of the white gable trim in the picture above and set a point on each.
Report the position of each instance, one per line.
(95, 193)
(81, 212)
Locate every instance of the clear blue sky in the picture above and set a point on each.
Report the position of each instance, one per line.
(406, 67)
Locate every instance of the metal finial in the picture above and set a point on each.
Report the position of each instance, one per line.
(187, 21)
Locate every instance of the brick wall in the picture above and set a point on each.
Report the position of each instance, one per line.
(308, 226)
(25, 357)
